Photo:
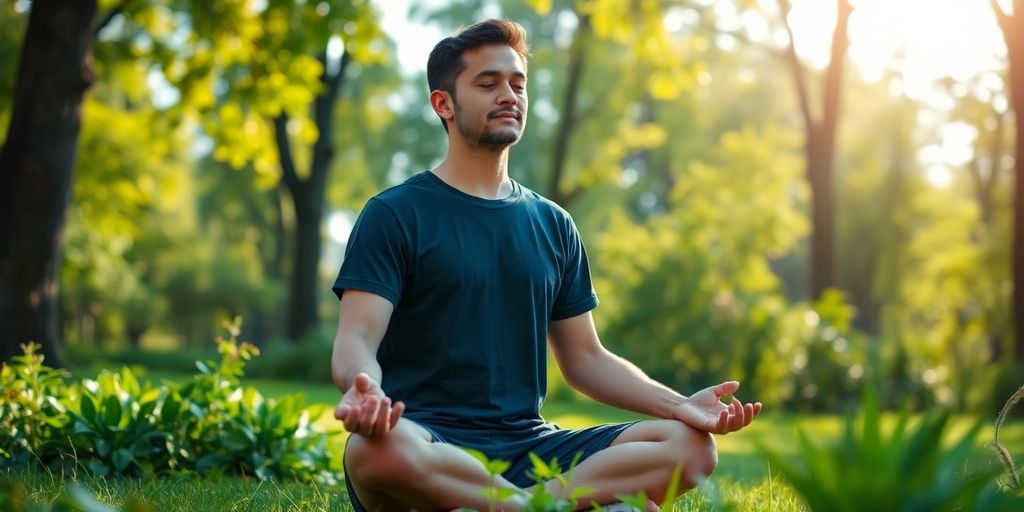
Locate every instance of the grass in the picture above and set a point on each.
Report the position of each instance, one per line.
(742, 480)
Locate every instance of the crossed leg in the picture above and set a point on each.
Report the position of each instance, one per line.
(406, 471)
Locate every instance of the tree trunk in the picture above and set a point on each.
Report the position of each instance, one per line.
(567, 122)
(308, 200)
(1013, 33)
(36, 168)
(820, 137)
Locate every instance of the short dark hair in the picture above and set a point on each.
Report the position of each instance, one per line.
(446, 63)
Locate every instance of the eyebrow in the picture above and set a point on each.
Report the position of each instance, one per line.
(492, 73)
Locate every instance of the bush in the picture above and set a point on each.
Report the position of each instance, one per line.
(907, 469)
(112, 425)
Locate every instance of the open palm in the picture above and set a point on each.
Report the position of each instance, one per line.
(366, 410)
(705, 411)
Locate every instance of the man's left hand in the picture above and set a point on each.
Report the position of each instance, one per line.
(705, 411)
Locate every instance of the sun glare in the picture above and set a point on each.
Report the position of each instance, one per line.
(920, 40)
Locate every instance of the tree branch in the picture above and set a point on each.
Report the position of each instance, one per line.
(796, 68)
(577, 59)
(102, 23)
(323, 113)
(834, 74)
(284, 154)
(1001, 16)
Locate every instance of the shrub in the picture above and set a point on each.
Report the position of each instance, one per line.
(31, 415)
(906, 469)
(112, 425)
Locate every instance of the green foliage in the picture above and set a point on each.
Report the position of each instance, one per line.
(74, 499)
(907, 468)
(31, 413)
(690, 294)
(112, 425)
(181, 494)
(1001, 451)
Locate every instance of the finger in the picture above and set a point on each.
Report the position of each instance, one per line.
(723, 421)
(382, 426)
(725, 388)
(351, 419)
(748, 411)
(341, 411)
(366, 419)
(757, 408)
(731, 424)
(734, 412)
(734, 407)
(396, 413)
(740, 417)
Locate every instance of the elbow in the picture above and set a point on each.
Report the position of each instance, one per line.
(579, 371)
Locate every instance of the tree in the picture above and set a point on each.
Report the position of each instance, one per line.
(1012, 26)
(308, 199)
(36, 167)
(240, 66)
(819, 144)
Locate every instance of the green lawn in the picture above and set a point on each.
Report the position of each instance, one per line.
(743, 479)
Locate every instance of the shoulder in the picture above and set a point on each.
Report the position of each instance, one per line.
(402, 193)
(544, 205)
(548, 210)
(402, 200)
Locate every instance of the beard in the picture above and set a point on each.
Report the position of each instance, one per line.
(484, 136)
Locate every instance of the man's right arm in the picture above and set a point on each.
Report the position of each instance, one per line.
(362, 322)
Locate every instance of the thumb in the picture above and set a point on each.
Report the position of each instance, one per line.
(340, 411)
(726, 388)
(362, 383)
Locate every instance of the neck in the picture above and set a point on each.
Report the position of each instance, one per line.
(477, 171)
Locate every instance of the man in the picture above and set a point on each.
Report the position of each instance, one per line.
(452, 282)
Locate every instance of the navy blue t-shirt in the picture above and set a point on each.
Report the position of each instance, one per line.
(474, 283)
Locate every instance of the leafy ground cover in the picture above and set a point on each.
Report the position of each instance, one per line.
(743, 481)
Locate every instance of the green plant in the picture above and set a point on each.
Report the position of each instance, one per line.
(112, 425)
(224, 426)
(1001, 451)
(542, 500)
(905, 469)
(115, 426)
(31, 415)
(73, 498)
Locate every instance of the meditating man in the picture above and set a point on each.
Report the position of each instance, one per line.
(452, 286)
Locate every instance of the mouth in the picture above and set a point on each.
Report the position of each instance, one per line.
(506, 114)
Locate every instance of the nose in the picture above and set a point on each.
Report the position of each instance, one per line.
(507, 95)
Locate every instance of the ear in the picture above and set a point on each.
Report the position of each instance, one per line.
(443, 105)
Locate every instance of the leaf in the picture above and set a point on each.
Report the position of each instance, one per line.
(541, 468)
(638, 500)
(121, 458)
(102, 447)
(97, 468)
(87, 407)
(112, 411)
(580, 492)
(673, 487)
(542, 7)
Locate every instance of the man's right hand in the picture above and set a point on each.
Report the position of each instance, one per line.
(366, 410)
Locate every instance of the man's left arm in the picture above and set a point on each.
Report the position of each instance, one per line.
(590, 368)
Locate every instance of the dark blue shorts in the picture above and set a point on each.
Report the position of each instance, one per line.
(547, 441)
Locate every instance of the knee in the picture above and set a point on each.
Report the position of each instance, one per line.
(695, 450)
(380, 462)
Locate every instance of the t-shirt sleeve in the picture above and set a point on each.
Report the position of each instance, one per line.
(575, 291)
(376, 254)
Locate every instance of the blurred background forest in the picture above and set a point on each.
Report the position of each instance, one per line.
(802, 195)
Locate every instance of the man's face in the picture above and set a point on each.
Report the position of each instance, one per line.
(490, 97)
